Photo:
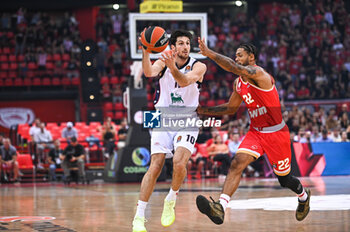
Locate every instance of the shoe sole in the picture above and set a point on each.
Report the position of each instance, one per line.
(308, 210)
(169, 224)
(204, 208)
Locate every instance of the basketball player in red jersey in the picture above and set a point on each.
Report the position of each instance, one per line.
(268, 132)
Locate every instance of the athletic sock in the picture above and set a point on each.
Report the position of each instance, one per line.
(224, 200)
(172, 195)
(302, 196)
(141, 207)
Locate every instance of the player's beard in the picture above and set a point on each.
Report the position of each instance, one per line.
(183, 56)
(246, 62)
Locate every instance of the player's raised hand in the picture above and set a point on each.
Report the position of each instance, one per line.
(204, 50)
(168, 57)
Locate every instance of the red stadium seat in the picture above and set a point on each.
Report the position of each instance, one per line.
(108, 106)
(13, 66)
(3, 74)
(56, 57)
(119, 106)
(8, 82)
(76, 81)
(114, 80)
(56, 81)
(18, 82)
(49, 58)
(66, 81)
(108, 114)
(3, 58)
(12, 74)
(12, 58)
(4, 66)
(20, 58)
(49, 65)
(66, 57)
(32, 66)
(36, 81)
(221, 101)
(27, 82)
(6, 50)
(119, 115)
(211, 103)
(46, 81)
(104, 80)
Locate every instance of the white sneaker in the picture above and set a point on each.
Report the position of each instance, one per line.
(138, 225)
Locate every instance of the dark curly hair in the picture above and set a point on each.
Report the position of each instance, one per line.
(179, 33)
(250, 48)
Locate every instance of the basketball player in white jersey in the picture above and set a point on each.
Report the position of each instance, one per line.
(180, 77)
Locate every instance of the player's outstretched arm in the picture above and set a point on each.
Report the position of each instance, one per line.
(148, 69)
(227, 63)
(230, 107)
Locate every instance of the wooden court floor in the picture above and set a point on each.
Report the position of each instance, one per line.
(258, 205)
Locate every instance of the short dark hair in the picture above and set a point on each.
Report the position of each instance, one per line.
(73, 139)
(250, 48)
(179, 33)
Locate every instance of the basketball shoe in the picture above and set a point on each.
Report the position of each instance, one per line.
(213, 210)
(303, 207)
(168, 215)
(138, 225)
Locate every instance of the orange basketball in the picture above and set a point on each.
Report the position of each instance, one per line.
(154, 39)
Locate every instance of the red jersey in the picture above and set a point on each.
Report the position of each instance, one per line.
(264, 107)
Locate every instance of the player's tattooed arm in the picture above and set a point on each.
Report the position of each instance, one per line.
(230, 107)
(230, 65)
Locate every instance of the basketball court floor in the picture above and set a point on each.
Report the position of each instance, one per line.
(258, 205)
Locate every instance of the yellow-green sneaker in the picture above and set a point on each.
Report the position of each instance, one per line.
(138, 225)
(168, 215)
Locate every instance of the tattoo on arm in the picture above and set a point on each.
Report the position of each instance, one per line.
(217, 109)
(230, 65)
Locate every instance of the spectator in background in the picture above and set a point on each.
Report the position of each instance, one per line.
(122, 133)
(344, 137)
(92, 140)
(335, 136)
(2, 139)
(73, 155)
(325, 137)
(8, 158)
(233, 143)
(54, 159)
(344, 110)
(69, 132)
(315, 134)
(219, 151)
(200, 160)
(108, 136)
(344, 121)
(35, 127)
(332, 120)
(43, 140)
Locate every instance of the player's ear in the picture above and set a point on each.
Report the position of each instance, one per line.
(251, 57)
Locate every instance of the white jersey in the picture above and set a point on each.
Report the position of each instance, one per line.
(171, 96)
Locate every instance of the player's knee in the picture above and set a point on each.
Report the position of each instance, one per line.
(284, 180)
(237, 165)
(179, 166)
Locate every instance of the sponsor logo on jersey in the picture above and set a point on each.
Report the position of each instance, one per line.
(176, 98)
(257, 112)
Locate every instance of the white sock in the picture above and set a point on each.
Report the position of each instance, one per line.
(302, 196)
(172, 195)
(141, 207)
(224, 200)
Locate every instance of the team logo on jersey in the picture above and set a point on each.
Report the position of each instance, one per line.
(239, 86)
(179, 139)
(151, 119)
(187, 69)
(176, 98)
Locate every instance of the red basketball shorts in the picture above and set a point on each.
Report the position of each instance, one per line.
(276, 145)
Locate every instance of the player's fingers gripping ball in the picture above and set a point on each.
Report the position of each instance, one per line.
(154, 39)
